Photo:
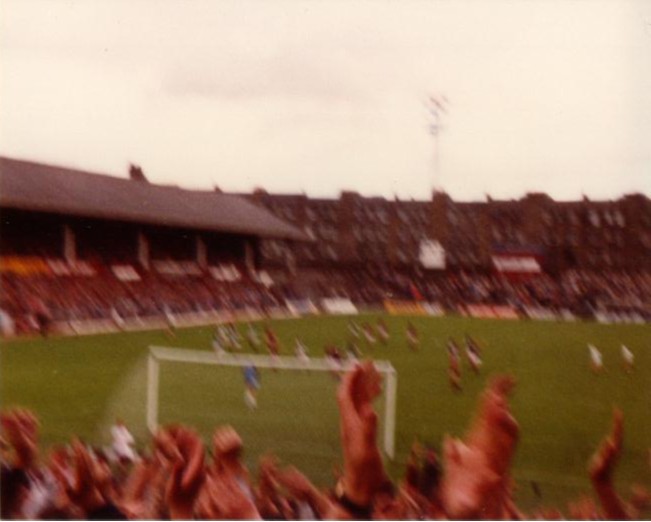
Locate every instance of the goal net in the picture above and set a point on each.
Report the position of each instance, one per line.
(303, 388)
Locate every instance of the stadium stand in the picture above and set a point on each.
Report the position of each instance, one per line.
(78, 246)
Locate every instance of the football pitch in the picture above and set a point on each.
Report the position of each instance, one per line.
(81, 385)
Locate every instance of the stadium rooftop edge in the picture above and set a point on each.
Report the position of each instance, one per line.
(37, 187)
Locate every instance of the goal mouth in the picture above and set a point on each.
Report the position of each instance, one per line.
(159, 354)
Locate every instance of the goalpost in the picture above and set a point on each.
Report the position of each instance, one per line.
(157, 354)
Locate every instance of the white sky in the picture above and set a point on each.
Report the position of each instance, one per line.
(320, 96)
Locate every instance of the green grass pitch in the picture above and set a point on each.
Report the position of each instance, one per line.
(80, 385)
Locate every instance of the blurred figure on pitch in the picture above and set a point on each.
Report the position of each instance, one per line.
(367, 329)
(122, 445)
(301, 352)
(271, 340)
(41, 314)
(382, 331)
(170, 320)
(232, 336)
(217, 343)
(413, 337)
(628, 359)
(351, 354)
(454, 365)
(222, 333)
(117, 318)
(353, 350)
(354, 329)
(334, 359)
(473, 353)
(252, 337)
(596, 359)
(252, 385)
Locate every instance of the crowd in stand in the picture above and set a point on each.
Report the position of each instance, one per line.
(102, 295)
(581, 292)
(174, 478)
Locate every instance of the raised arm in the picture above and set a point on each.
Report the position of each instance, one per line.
(476, 470)
(182, 452)
(602, 468)
(363, 468)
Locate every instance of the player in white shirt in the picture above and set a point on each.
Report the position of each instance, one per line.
(170, 320)
(367, 329)
(234, 336)
(629, 359)
(224, 338)
(354, 329)
(122, 444)
(474, 359)
(301, 352)
(473, 354)
(252, 337)
(382, 331)
(217, 344)
(596, 359)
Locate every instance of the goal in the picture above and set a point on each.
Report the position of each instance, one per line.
(158, 354)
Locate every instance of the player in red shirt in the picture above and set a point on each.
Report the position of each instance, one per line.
(271, 341)
(413, 337)
(454, 365)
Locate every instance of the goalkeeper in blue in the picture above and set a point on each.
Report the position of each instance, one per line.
(252, 384)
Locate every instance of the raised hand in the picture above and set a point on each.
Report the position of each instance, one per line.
(222, 497)
(468, 481)
(640, 500)
(20, 427)
(476, 481)
(583, 509)
(268, 499)
(495, 431)
(604, 460)
(85, 490)
(363, 468)
(227, 450)
(602, 467)
(135, 501)
(300, 487)
(297, 484)
(181, 450)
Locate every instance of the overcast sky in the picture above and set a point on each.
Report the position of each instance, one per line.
(320, 96)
